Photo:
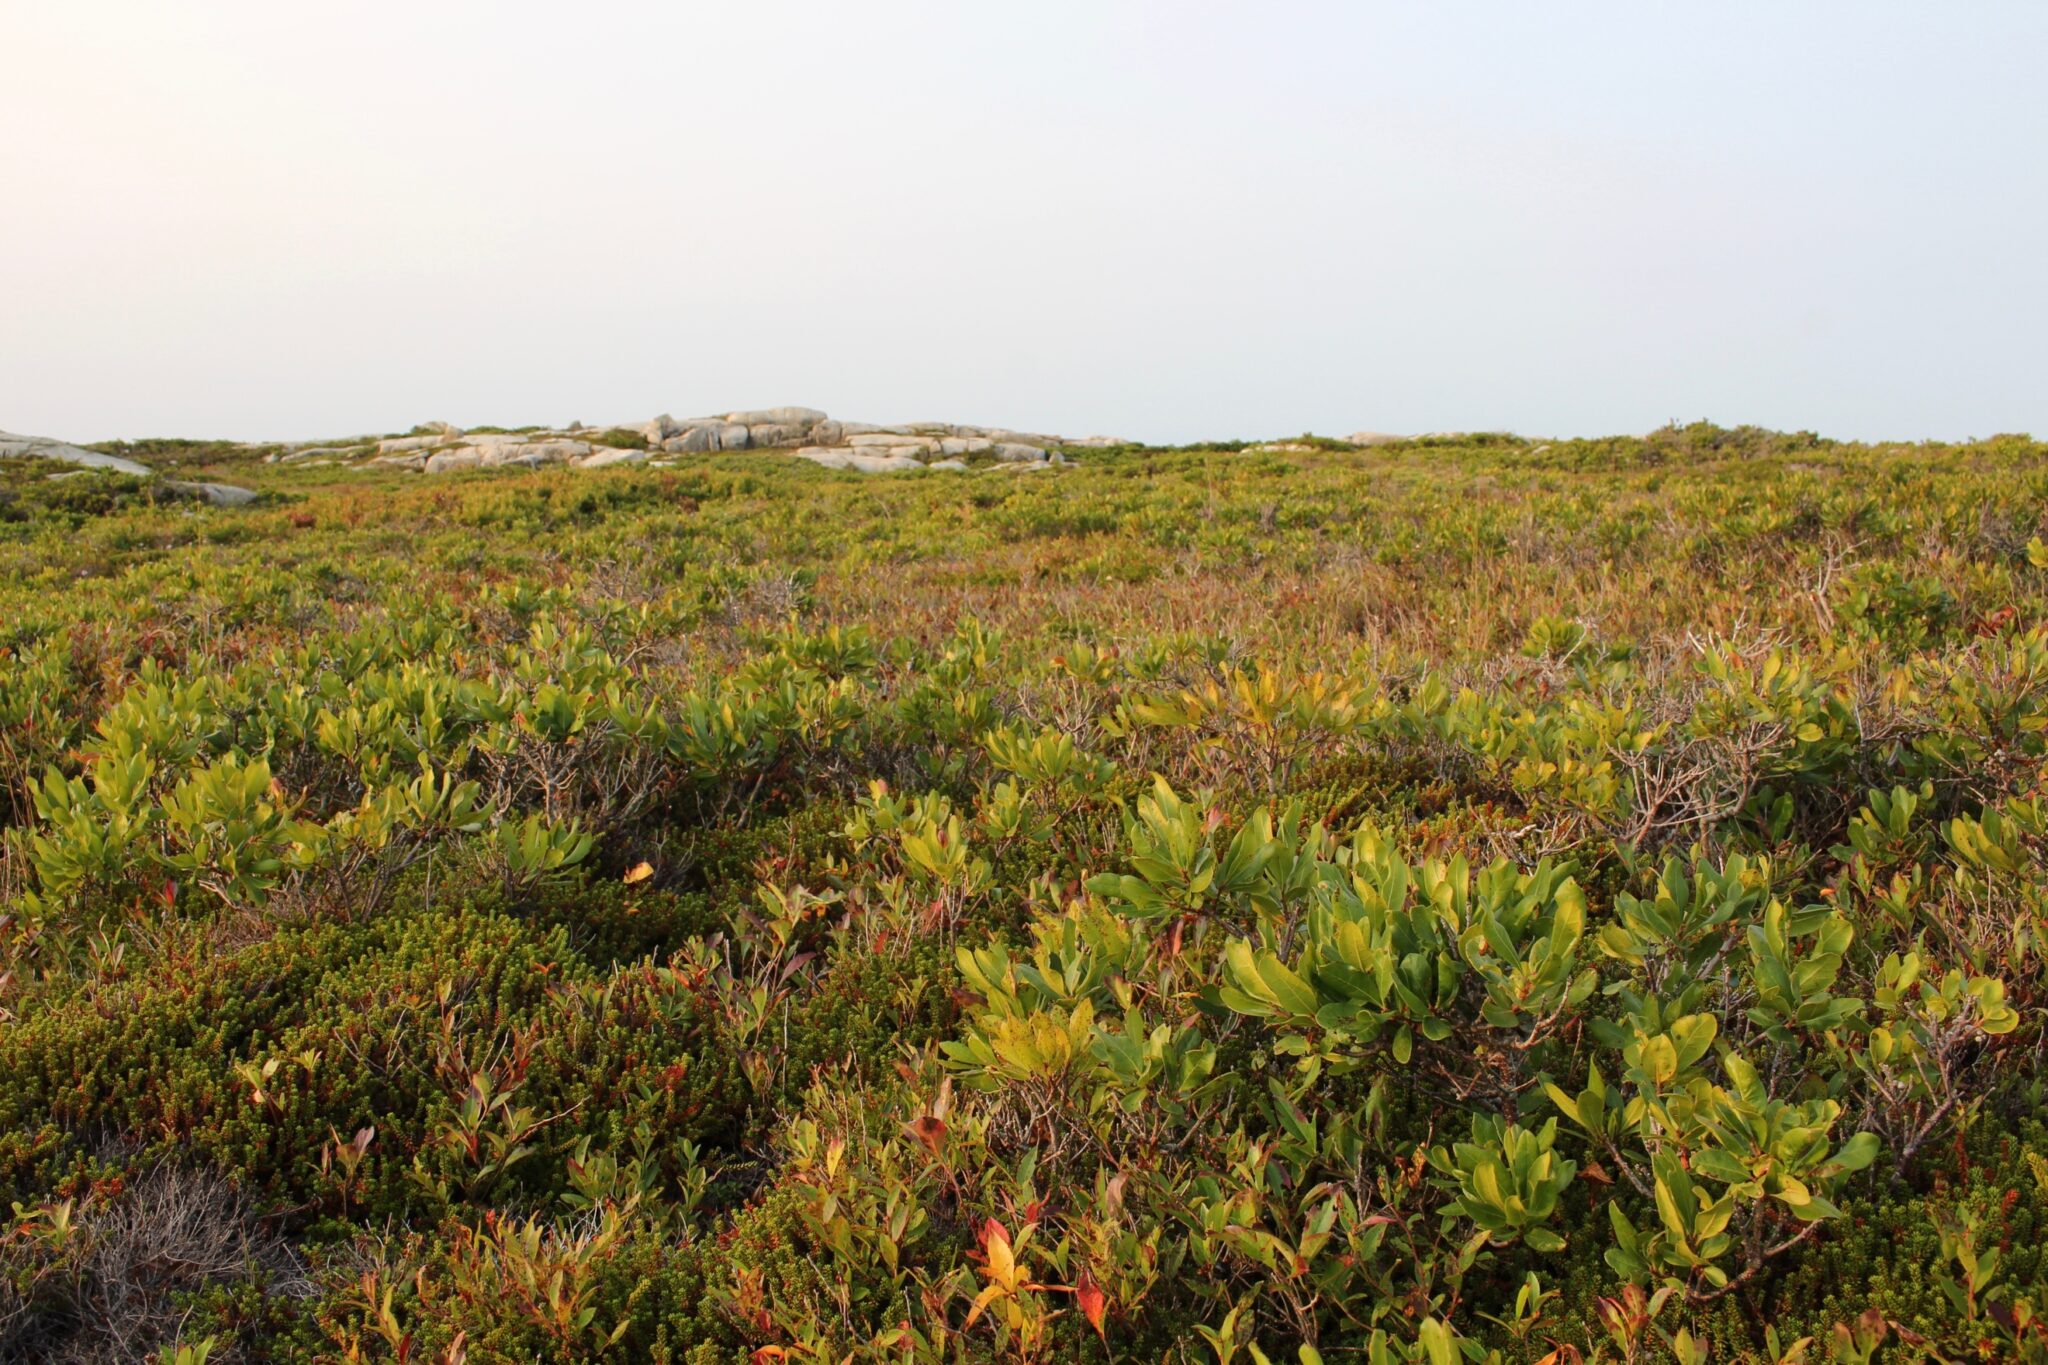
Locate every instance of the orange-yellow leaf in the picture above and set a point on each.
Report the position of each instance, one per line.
(1002, 1262)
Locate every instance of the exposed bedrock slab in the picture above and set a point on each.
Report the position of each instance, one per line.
(47, 448)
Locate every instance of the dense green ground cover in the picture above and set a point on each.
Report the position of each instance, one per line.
(1469, 899)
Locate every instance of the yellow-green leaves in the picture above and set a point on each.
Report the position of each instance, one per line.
(1595, 1109)
(1050, 760)
(1265, 986)
(1657, 1058)
(1792, 981)
(1507, 1180)
(534, 850)
(1691, 1228)
(1172, 862)
(1389, 949)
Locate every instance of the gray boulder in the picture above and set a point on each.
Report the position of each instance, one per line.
(218, 494)
(666, 428)
(828, 432)
(966, 445)
(882, 464)
(794, 417)
(603, 458)
(400, 445)
(732, 436)
(533, 453)
(867, 459)
(832, 457)
(765, 435)
(447, 461)
(692, 441)
(891, 440)
(1015, 452)
(1373, 438)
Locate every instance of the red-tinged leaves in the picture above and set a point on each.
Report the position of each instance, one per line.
(1994, 622)
(929, 1130)
(1094, 1303)
(1173, 938)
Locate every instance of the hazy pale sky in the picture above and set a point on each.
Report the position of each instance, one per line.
(1170, 221)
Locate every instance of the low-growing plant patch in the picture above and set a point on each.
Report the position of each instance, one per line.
(1461, 900)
